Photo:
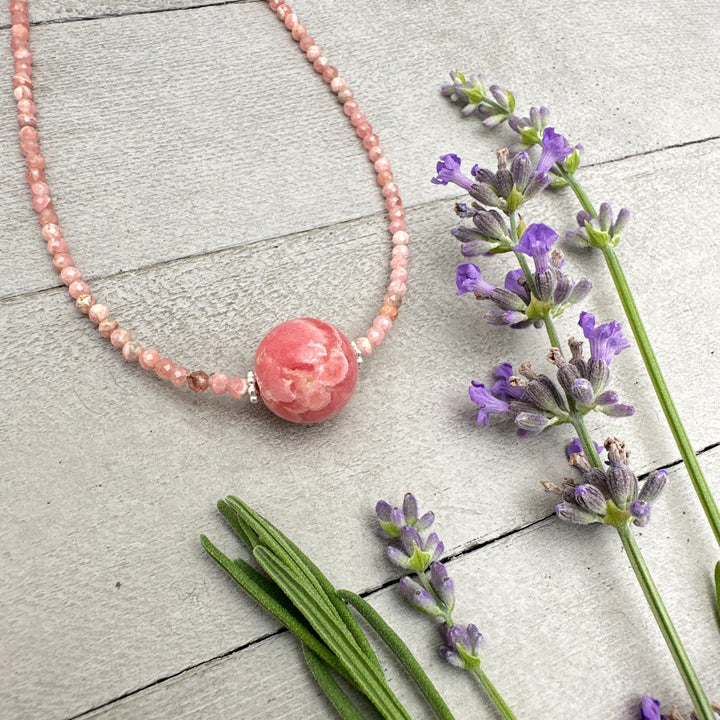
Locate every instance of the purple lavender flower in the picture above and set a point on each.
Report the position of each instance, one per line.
(503, 389)
(650, 709)
(536, 242)
(515, 282)
(443, 585)
(606, 340)
(416, 554)
(555, 149)
(575, 446)
(461, 646)
(418, 597)
(448, 170)
(601, 231)
(393, 519)
(468, 278)
(488, 403)
(529, 128)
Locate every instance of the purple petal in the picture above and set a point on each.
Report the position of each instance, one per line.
(468, 278)
(448, 171)
(489, 404)
(649, 708)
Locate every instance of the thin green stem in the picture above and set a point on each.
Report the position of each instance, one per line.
(552, 332)
(495, 696)
(663, 394)
(578, 422)
(687, 672)
(652, 366)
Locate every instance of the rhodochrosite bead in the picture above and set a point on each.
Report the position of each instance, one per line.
(305, 370)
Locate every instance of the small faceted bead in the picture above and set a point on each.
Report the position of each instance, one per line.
(40, 202)
(397, 213)
(396, 226)
(164, 368)
(306, 42)
(274, 4)
(357, 118)
(350, 108)
(36, 161)
(337, 84)
(84, 303)
(24, 120)
(400, 251)
(26, 107)
(62, 260)
(397, 288)
(389, 311)
(330, 73)
(98, 313)
(283, 10)
(345, 94)
(390, 190)
(383, 178)
(291, 20)
(369, 141)
(40, 188)
(131, 350)
(313, 53)
(119, 337)
(21, 79)
(237, 387)
(218, 383)
(78, 288)
(28, 133)
(399, 274)
(382, 323)
(320, 64)
(107, 327)
(382, 165)
(70, 274)
(397, 262)
(375, 336)
(364, 346)
(393, 201)
(56, 245)
(375, 153)
(34, 175)
(299, 32)
(363, 129)
(392, 299)
(400, 238)
(48, 216)
(198, 381)
(179, 375)
(149, 358)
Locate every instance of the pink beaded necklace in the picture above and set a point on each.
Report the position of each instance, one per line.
(305, 369)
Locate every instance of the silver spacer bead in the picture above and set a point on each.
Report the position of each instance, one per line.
(357, 352)
(252, 393)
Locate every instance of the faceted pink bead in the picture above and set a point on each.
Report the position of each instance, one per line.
(274, 4)
(305, 370)
(400, 251)
(78, 288)
(400, 274)
(337, 84)
(375, 153)
(218, 383)
(119, 337)
(62, 261)
(393, 201)
(330, 73)
(396, 226)
(107, 327)
(70, 275)
(320, 64)
(48, 215)
(34, 175)
(350, 107)
(382, 323)
(397, 262)
(179, 375)
(397, 288)
(382, 165)
(313, 53)
(397, 213)
(131, 350)
(369, 141)
(345, 94)
(375, 336)
(299, 32)
(364, 346)
(357, 117)
(56, 245)
(149, 358)
(164, 368)
(390, 190)
(40, 202)
(98, 313)
(400, 238)
(291, 20)
(306, 41)
(237, 387)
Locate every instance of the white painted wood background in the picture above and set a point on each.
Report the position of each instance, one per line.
(210, 187)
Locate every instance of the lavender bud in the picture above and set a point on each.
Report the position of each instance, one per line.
(530, 424)
(502, 96)
(583, 217)
(475, 248)
(567, 375)
(410, 508)
(410, 540)
(491, 224)
(580, 291)
(596, 476)
(418, 597)
(538, 393)
(544, 285)
(520, 170)
(605, 217)
(621, 222)
(622, 484)
(653, 486)
(507, 300)
(598, 373)
(493, 121)
(563, 287)
(442, 584)
(573, 514)
(582, 392)
(483, 175)
(484, 194)
(588, 497)
(398, 557)
(640, 510)
(503, 182)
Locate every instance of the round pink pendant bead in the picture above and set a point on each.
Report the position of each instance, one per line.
(305, 370)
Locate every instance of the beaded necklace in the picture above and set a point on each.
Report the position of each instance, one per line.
(305, 369)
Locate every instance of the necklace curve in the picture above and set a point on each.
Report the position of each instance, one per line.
(305, 369)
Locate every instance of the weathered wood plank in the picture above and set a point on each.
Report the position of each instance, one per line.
(158, 150)
(567, 631)
(113, 474)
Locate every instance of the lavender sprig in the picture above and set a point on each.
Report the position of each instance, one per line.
(433, 593)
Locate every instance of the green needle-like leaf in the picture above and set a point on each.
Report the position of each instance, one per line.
(288, 619)
(332, 690)
(401, 651)
(246, 535)
(717, 588)
(334, 633)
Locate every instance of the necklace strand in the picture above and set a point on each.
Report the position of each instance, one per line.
(149, 358)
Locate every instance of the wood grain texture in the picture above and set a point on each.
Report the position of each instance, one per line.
(211, 188)
(567, 632)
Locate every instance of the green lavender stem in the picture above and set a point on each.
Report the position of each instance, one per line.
(653, 369)
(495, 696)
(697, 695)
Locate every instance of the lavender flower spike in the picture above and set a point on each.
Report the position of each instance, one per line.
(536, 242)
(448, 170)
(606, 340)
(555, 149)
(393, 519)
(462, 646)
(418, 597)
